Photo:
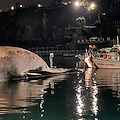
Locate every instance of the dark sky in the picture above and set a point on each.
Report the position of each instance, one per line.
(6, 4)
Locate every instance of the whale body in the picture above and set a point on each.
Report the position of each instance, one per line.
(17, 61)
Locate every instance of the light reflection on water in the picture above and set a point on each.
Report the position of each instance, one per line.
(89, 95)
(92, 84)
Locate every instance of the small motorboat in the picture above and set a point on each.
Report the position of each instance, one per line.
(81, 56)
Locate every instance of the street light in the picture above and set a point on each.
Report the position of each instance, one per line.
(21, 5)
(77, 3)
(12, 8)
(39, 5)
(92, 6)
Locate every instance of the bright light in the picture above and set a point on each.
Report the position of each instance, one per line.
(21, 5)
(77, 3)
(65, 3)
(12, 8)
(39, 5)
(92, 5)
(103, 13)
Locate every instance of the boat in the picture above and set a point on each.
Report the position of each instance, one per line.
(109, 59)
(81, 56)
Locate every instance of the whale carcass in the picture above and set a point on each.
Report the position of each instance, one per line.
(15, 61)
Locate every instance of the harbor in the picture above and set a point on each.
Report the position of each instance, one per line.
(81, 95)
(59, 60)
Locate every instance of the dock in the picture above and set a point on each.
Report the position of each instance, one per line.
(66, 53)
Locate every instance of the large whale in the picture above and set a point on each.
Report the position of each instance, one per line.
(15, 61)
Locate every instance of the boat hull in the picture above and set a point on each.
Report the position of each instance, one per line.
(102, 63)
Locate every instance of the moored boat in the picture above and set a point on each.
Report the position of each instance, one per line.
(104, 60)
(81, 56)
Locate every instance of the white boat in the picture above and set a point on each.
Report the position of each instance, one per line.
(81, 56)
(109, 59)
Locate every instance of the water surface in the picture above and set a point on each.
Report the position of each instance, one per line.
(89, 95)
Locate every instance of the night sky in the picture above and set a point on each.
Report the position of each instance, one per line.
(6, 4)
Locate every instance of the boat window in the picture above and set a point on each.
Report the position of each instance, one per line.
(101, 55)
(113, 50)
(101, 51)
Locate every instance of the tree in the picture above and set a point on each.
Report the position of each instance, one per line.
(80, 21)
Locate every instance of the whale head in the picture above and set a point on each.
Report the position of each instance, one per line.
(15, 61)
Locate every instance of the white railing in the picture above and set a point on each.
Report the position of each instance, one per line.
(47, 50)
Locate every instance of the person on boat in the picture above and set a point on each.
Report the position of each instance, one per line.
(90, 49)
(94, 48)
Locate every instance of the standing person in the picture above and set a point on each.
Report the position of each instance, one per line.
(90, 51)
(94, 48)
(51, 59)
(90, 48)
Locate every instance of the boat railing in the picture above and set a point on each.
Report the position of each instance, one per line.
(107, 56)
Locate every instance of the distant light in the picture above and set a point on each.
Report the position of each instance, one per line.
(92, 5)
(77, 3)
(39, 5)
(70, 2)
(103, 13)
(21, 6)
(12, 8)
(64, 3)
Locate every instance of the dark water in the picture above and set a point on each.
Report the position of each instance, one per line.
(89, 95)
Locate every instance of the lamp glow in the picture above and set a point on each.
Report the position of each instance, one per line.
(39, 5)
(92, 5)
(12, 8)
(77, 3)
(21, 6)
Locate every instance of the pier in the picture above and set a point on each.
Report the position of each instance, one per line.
(43, 51)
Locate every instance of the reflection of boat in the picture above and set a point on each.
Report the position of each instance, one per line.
(102, 77)
(100, 80)
(104, 60)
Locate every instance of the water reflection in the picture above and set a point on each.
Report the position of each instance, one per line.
(109, 79)
(88, 88)
(79, 101)
(89, 95)
(103, 77)
(16, 96)
(90, 82)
